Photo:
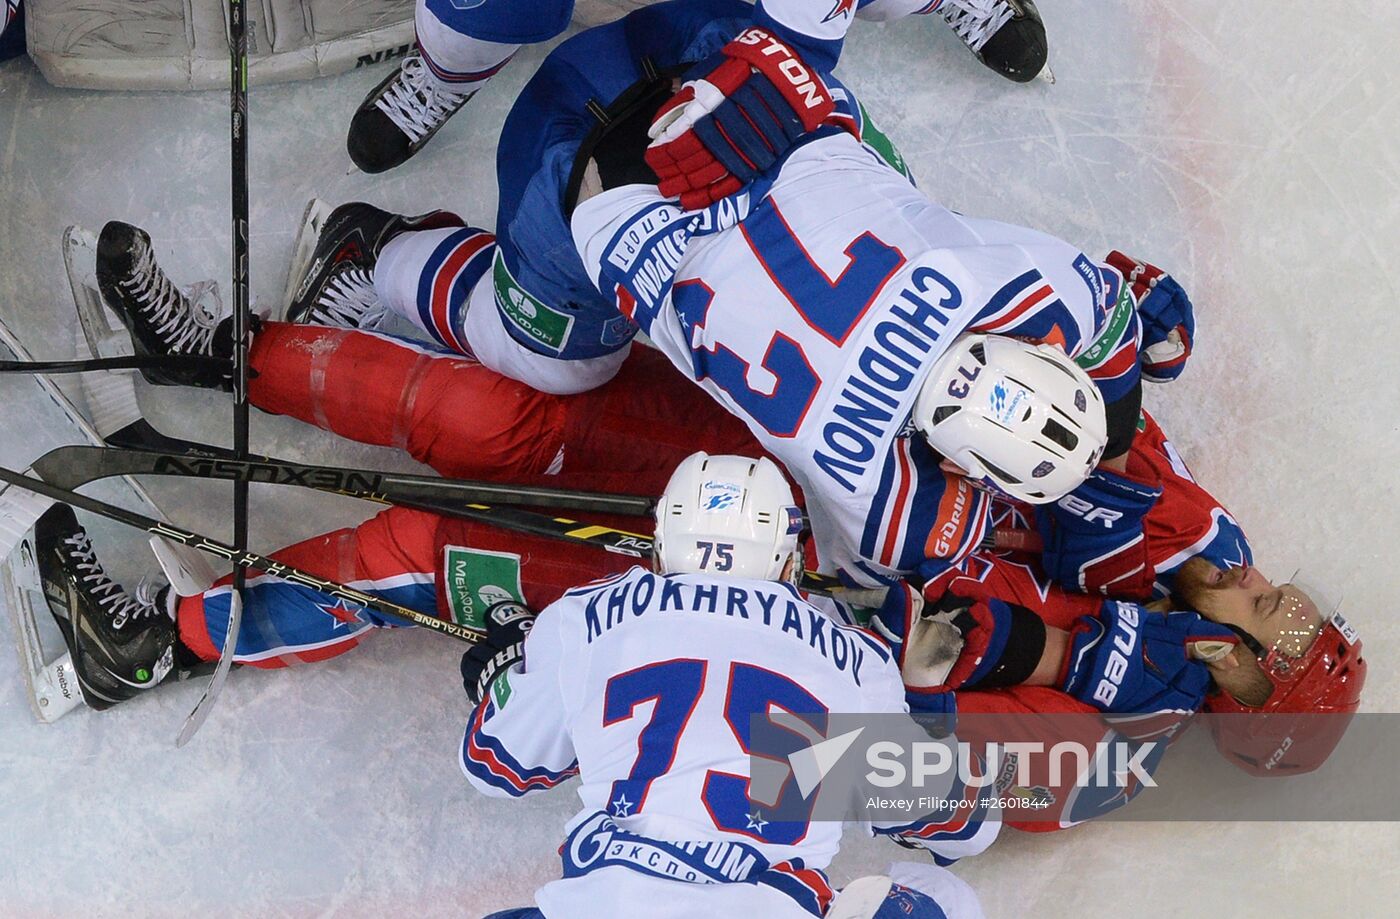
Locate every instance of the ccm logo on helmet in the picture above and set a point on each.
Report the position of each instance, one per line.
(790, 67)
(1277, 755)
(1124, 641)
(1091, 513)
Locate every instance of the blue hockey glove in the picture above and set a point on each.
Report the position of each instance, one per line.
(1093, 536)
(507, 625)
(737, 112)
(1129, 660)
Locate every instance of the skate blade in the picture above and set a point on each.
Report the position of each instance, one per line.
(312, 221)
(1046, 74)
(52, 686)
(197, 717)
(103, 332)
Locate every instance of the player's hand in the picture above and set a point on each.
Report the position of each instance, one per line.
(1129, 660)
(736, 114)
(1092, 537)
(1167, 317)
(944, 641)
(507, 625)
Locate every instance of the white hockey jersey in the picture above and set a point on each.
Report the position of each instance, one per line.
(814, 306)
(643, 685)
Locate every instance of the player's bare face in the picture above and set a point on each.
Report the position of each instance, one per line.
(1282, 618)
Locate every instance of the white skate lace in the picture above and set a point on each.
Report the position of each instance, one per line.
(416, 103)
(976, 21)
(348, 301)
(120, 606)
(185, 328)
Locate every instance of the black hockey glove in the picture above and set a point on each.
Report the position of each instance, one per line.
(507, 625)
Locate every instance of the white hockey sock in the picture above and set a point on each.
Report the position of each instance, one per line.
(456, 62)
(427, 277)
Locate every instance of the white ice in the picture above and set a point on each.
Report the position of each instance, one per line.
(1250, 147)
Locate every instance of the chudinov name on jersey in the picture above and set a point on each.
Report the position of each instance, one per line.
(873, 401)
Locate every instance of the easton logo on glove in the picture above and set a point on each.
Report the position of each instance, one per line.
(736, 114)
(804, 86)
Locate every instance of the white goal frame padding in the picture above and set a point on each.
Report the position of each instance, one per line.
(183, 44)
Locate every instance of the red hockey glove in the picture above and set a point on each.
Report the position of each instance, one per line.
(1167, 316)
(736, 114)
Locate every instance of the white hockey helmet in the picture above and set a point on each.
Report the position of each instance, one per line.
(729, 515)
(1022, 419)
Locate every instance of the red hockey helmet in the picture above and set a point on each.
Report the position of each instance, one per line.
(1314, 696)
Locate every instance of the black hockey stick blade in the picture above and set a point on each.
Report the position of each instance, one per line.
(141, 435)
(239, 557)
(71, 466)
(173, 362)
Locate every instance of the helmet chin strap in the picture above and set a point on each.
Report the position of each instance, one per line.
(1249, 641)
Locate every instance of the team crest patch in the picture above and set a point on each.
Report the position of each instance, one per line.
(477, 579)
(546, 327)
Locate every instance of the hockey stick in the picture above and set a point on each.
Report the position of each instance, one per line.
(199, 460)
(241, 558)
(206, 462)
(71, 466)
(173, 362)
(242, 332)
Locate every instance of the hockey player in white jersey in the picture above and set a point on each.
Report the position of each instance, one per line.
(837, 332)
(462, 44)
(830, 247)
(643, 685)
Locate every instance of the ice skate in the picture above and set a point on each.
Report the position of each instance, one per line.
(120, 645)
(399, 116)
(336, 285)
(162, 320)
(1007, 36)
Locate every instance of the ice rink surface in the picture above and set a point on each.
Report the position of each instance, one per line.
(1251, 148)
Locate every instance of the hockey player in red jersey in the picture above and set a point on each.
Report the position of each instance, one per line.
(625, 435)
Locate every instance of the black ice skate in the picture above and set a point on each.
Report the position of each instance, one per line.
(160, 318)
(336, 286)
(120, 645)
(399, 116)
(1006, 35)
